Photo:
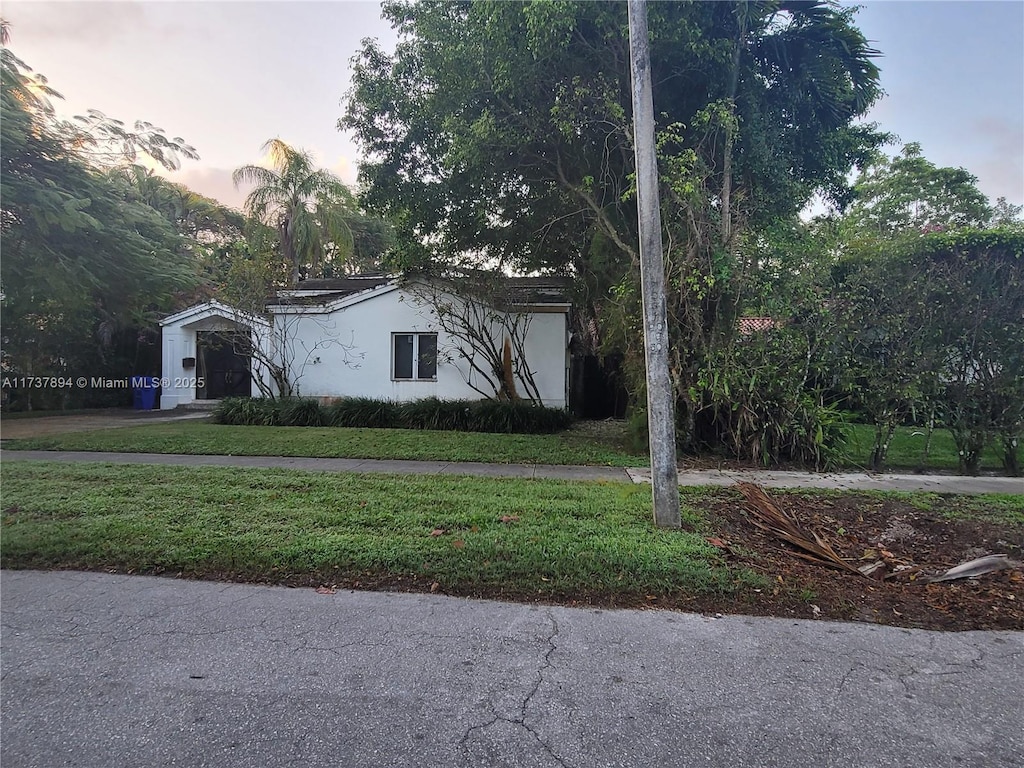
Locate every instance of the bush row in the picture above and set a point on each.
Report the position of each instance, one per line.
(431, 413)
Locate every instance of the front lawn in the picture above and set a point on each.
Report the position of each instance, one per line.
(575, 446)
(526, 540)
(602, 443)
(472, 536)
(906, 451)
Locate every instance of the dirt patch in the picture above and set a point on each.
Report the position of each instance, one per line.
(912, 542)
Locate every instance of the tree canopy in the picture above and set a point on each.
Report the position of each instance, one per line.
(504, 129)
(307, 207)
(501, 133)
(84, 256)
(910, 193)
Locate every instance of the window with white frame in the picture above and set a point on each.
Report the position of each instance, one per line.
(414, 356)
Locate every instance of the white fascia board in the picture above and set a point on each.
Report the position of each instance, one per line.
(213, 309)
(333, 306)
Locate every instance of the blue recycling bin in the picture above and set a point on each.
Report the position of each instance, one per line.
(144, 392)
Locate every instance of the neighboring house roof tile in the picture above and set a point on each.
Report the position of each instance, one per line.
(749, 325)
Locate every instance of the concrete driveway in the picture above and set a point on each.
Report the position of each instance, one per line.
(102, 670)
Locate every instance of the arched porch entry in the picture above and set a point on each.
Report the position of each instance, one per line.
(207, 354)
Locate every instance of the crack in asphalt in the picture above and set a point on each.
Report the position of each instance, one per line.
(520, 721)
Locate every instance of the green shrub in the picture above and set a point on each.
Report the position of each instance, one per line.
(301, 412)
(494, 416)
(361, 412)
(247, 411)
(429, 413)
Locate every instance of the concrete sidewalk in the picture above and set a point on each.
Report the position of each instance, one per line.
(770, 479)
(103, 671)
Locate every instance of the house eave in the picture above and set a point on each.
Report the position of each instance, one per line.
(207, 309)
(335, 304)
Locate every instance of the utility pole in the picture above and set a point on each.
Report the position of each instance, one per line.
(660, 411)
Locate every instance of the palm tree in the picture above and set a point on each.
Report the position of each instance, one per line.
(307, 206)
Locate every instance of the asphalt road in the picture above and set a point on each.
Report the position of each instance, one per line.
(108, 671)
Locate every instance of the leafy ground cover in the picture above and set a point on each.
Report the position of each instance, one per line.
(602, 443)
(525, 540)
(551, 539)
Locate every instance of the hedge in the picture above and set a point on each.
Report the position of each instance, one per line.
(431, 413)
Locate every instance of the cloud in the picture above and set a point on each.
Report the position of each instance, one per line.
(1000, 164)
(76, 23)
(211, 182)
(346, 170)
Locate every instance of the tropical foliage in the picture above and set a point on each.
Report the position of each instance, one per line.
(307, 208)
(87, 263)
(501, 133)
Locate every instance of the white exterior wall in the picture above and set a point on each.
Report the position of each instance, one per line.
(348, 353)
(178, 343)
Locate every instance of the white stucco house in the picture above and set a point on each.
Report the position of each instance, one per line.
(373, 336)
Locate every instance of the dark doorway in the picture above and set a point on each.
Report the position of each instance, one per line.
(222, 365)
(598, 389)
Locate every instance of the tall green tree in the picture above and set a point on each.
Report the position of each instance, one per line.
(501, 133)
(909, 193)
(84, 261)
(923, 281)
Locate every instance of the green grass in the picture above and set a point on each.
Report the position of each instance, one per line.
(906, 450)
(991, 507)
(598, 444)
(571, 447)
(559, 540)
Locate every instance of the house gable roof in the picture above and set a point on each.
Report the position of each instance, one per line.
(325, 296)
(543, 294)
(208, 309)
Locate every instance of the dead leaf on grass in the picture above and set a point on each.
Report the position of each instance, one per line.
(437, 532)
(509, 518)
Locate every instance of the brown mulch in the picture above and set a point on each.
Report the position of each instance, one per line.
(910, 541)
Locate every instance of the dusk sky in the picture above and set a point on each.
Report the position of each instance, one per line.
(227, 76)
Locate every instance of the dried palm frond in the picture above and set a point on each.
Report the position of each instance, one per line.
(767, 516)
(973, 568)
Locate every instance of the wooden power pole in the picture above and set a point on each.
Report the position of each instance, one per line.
(660, 411)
